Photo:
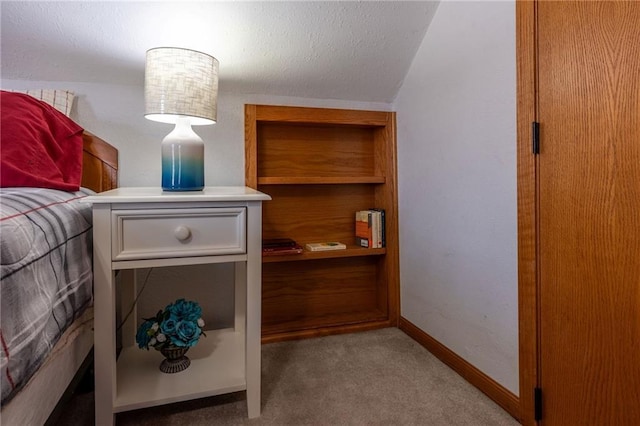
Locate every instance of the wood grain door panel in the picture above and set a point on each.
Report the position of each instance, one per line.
(589, 212)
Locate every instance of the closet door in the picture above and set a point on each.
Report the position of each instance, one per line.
(588, 107)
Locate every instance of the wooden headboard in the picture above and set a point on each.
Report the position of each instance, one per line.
(99, 164)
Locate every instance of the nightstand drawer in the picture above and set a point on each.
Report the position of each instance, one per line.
(167, 233)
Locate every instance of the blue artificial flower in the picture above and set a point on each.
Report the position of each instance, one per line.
(180, 324)
(144, 334)
(168, 326)
(187, 334)
(185, 310)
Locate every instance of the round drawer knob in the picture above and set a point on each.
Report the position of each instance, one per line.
(182, 232)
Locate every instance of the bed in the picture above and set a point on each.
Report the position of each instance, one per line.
(31, 388)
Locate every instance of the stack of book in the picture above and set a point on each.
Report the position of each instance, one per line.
(370, 228)
(280, 246)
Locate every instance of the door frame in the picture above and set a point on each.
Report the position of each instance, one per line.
(527, 167)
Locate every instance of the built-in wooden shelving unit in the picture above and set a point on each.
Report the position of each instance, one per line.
(320, 166)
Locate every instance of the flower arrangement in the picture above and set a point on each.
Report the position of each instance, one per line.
(179, 325)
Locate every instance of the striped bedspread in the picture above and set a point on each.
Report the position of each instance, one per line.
(45, 273)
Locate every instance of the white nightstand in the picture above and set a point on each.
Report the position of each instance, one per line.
(146, 227)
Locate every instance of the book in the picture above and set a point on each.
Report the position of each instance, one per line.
(330, 245)
(364, 235)
(281, 251)
(280, 246)
(382, 237)
(376, 234)
(278, 242)
(383, 227)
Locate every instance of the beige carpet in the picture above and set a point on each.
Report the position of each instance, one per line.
(379, 377)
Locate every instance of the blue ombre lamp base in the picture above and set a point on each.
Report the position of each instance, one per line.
(182, 160)
(182, 171)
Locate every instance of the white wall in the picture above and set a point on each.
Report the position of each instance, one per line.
(457, 186)
(116, 114)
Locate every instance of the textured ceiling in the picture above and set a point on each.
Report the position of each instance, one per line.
(349, 50)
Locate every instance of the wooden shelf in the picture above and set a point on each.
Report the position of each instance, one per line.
(370, 324)
(313, 180)
(320, 166)
(321, 116)
(350, 251)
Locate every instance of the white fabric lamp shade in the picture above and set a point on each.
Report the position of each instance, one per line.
(181, 82)
(181, 88)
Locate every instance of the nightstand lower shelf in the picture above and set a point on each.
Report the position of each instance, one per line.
(140, 384)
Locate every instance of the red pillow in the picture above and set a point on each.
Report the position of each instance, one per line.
(40, 146)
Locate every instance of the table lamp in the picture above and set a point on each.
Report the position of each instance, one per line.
(181, 88)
